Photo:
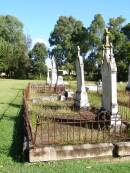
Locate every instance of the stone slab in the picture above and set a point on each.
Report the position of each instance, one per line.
(51, 153)
(122, 148)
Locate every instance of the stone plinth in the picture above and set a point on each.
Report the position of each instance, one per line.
(81, 99)
(122, 149)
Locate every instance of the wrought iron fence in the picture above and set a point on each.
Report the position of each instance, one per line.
(52, 124)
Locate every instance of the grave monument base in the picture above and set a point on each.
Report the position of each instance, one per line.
(81, 99)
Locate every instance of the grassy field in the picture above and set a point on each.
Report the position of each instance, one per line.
(11, 137)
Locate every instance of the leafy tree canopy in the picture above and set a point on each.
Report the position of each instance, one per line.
(13, 46)
(68, 33)
(38, 55)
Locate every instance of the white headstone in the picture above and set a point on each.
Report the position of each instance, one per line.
(48, 76)
(60, 80)
(70, 94)
(109, 81)
(53, 72)
(62, 98)
(81, 98)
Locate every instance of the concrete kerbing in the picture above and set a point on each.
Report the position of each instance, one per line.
(50, 153)
(83, 151)
(122, 148)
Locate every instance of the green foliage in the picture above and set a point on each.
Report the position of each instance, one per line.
(11, 29)
(96, 31)
(117, 37)
(126, 30)
(38, 56)
(13, 47)
(68, 33)
(94, 57)
(69, 77)
(121, 46)
(39, 52)
(59, 56)
(69, 67)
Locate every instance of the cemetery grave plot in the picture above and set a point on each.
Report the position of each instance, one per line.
(55, 122)
(52, 120)
(58, 123)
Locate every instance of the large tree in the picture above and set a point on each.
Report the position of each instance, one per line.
(126, 30)
(121, 46)
(13, 47)
(119, 36)
(38, 56)
(68, 33)
(94, 55)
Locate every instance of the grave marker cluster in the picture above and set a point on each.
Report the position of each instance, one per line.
(52, 77)
(109, 82)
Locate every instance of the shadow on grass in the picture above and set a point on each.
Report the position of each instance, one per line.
(11, 103)
(18, 89)
(4, 116)
(15, 105)
(16, 150)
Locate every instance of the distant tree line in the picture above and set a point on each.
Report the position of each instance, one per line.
(18, 60)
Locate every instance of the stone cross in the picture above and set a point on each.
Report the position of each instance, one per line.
(109, 81)
(53, 72)
(81, 98)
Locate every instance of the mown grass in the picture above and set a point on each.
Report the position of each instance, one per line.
(11, 137)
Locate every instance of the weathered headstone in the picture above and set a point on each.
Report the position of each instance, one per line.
(60, 80)
(99, 87)
(81, 98)
(48, 76)
(109, 82)
(53, 72)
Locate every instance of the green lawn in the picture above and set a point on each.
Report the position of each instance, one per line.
(11, 137)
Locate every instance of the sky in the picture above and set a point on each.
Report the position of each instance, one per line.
(40, 16)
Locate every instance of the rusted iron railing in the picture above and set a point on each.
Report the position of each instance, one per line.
(48, 125)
